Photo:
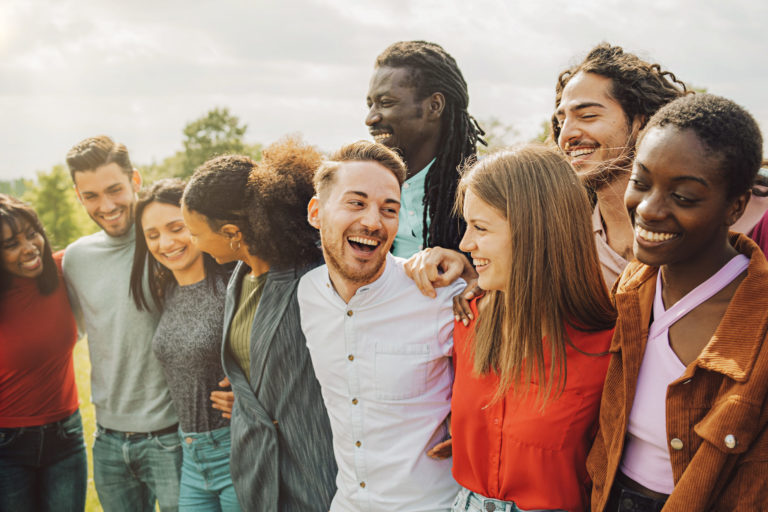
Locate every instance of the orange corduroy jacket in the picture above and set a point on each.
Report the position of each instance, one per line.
(717, 408)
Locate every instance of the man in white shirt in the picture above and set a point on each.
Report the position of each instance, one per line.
(381, 350)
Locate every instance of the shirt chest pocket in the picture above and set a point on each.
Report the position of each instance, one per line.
(400, 370)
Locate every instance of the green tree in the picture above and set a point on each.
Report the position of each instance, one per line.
(54, 200)
(545, 128)
(497, 134)
(216, 133)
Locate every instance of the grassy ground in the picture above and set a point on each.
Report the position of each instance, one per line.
(83, 378)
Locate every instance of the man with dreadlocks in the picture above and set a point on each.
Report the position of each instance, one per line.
(601, 104)
(417, 104)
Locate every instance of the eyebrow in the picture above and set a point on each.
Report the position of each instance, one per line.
(580, 106)
(684, 177)
(365, 196)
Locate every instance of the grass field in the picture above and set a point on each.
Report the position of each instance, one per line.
(83, 378)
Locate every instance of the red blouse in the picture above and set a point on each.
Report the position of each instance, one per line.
(37, 379)
(510, 450)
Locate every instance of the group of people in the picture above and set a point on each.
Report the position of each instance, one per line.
(400, 325)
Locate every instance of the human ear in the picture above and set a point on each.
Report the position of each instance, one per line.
(736, 208)
(232, 232)
(313, 212)
(436, 105)
(136, 180)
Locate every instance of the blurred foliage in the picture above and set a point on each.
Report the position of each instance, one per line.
(55, 202)
(497, 135)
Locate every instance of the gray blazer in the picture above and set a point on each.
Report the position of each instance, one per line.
(282, 454)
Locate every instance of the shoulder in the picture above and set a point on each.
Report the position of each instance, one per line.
(313, 278)
(635, 275)
(81, 247)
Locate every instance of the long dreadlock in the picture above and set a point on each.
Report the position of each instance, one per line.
(432, 70)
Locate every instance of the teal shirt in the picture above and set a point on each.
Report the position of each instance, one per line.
(410, 233)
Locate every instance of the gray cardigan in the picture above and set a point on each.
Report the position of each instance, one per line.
(282, 452)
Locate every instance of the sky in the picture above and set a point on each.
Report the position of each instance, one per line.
(139, 71)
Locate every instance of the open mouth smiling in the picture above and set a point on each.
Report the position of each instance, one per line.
(654, 236)
(363, 244)
(380, 136)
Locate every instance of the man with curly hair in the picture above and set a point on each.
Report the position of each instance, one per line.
(601, 104)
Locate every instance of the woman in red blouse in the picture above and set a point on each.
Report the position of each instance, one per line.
(530, 366)
(42, 453)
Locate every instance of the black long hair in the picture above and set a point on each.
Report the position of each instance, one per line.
(166, 191)
(12, 213)
(434, 70)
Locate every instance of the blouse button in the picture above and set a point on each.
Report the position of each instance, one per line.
(351, 357)
(354, 401)
(676, 444)
(362, 484)
(730, 441)
(358, 444)
(350, 313)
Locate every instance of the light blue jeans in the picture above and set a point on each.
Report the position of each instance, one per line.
(468, 501)
(131, 471)
(206, 483)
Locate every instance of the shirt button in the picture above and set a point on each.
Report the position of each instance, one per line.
(495, 421)
(676, 444)
(350, 313)
(730, 441)
(411, 212)
(351, 357)
(188, 440)
(354, 401)
(358, 444)
(406, 185)
(362, 484)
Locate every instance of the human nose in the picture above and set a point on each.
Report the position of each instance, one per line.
(166, 241)
(372, 219)
(106, 204)
(651, 206)
(569, 132)
(467, 243)
(373, 116)
(28, 247)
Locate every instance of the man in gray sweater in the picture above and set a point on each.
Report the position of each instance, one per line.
(136, 453)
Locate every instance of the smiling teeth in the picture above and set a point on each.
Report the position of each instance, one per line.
(175, 253)
(581, 152)
(652, 236)
(381, 136)
(112, 217)
(31, 264)
(364, 241)
(479, 262)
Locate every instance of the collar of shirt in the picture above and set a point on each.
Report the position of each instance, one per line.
(410, 233)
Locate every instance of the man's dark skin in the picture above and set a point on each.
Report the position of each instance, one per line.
(401, 121)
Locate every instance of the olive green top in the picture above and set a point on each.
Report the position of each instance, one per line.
(239, 341)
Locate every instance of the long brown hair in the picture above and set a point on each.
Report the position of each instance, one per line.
(555, 276)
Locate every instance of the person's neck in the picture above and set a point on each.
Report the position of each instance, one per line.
(347, 289)
(682, 277)
(419, 160)
(618, 226)
(258, 266)
(192, 274)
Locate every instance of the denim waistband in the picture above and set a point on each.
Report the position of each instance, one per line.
(467, 499)
(134, 435)
(215, 436)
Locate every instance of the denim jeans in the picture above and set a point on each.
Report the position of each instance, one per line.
(206, 483)
(468, 501)
(131, 471)
(43, 468)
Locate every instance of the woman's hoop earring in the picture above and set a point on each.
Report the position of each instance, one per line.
(234, 249)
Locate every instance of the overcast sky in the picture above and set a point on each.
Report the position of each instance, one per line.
(140, 70)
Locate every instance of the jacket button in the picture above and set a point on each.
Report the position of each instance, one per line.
(676, 444)
(188, 440)
(730, 441)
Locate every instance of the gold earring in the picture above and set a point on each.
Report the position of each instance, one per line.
(234, 249)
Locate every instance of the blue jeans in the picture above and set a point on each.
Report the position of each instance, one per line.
(468, 501)
(131, 471)
(206, 483)
(43, 468)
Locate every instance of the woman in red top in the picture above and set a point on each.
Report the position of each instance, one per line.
(42, 453)
(530, 367)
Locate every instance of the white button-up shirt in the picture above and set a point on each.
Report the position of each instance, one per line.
(386, 376)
